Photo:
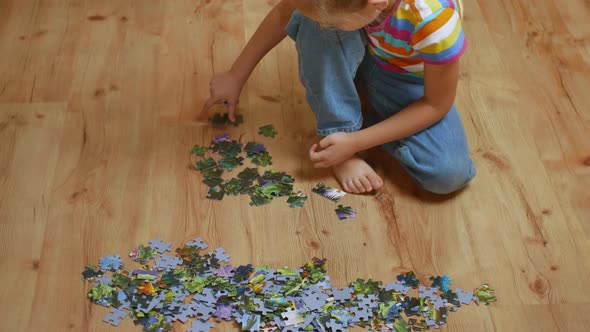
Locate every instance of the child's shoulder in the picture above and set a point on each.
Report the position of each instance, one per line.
(422, 10)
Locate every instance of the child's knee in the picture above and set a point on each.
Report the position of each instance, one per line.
(449, 177)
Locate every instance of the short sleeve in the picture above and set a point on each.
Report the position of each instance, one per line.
(439, 38)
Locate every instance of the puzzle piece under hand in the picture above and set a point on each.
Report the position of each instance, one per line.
(160, 246)
(115, 317)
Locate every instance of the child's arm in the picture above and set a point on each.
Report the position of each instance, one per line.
(440, 87)
(226, 87)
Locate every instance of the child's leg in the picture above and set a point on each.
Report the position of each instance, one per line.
(438, 157)
(328, 61)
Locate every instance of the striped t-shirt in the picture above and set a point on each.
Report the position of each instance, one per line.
(418, 32)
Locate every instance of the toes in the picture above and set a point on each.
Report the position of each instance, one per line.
(359, 185)
(352, 187)
(366, 184)
(375, 180)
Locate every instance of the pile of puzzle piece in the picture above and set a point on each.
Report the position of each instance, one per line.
(202, 286)
(262, 189)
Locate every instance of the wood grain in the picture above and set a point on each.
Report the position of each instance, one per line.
(97, 109)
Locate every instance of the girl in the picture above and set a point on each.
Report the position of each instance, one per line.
(405, 52)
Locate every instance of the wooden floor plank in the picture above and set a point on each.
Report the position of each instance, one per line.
(97, 109)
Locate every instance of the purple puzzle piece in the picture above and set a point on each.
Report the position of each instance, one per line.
(223, 312)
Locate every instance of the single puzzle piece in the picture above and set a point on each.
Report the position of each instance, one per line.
(207, 164)
(229, 163)
(262, 159)
(213, 182)
(221, 120)
(343, 294)
(199, 151)
(250, 322)
(166, 262)
(223, 312)
(485, 294)
(253, 148)
(292, 317)
(335, 326)
(408, 279)
(112, 263)
(221, 255)
(464, 297)
(330, 193)
(443, 283)
(200, 326)
(438, 303)
(398, 287)
(345, 212)
(268, 131)
(361, 314)
(91, 272)
(428, 292)
(197, 243)
(115, 317)
(104, 279)
(432, 323)
(226, 271)
(160, 246)
(233, 186)
(296, 200)
(248, 174)
(214, 194)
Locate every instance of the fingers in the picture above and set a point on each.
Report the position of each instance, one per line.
(326, 142)
(231, 111)
(204, 115)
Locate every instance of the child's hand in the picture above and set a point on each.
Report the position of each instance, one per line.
(224, 88)
(335, 149)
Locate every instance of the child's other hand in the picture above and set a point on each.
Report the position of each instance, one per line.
(225, 89)
(335, 149)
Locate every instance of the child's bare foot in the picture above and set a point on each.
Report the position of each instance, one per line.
(356, 176)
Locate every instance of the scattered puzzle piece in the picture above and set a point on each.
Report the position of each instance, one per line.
(268, 131)
(330, 193)
(345, 212)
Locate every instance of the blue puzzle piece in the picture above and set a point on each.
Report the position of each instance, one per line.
(160, 246)
(221, 255)
(428, 292)
(112, 263)
(200, 326)
(343, 294)
(197, 243)
(464, 297)
(115, 317)
(398, 287)
(166, 262)
(104, 279)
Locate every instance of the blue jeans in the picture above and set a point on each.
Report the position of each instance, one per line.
(437, 158)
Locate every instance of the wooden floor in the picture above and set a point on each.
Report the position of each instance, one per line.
(97, 108)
